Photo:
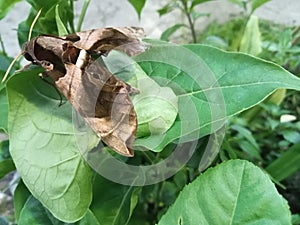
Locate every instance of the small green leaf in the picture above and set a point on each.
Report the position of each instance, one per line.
(21, 194)
(138, 5)
(166, 9)
(251, 42)
(286, 165)
(3, 110)
(197, 2)
(33, 212)
(113, 203)
(6, 166)
(5, 7)
(257, 3)
(291, 136)
(4, 150)
(62, 30)
(44, 148)
(171, 30)
(235, 192)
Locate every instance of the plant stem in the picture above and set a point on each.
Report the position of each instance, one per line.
(190, 20)
(82, 14)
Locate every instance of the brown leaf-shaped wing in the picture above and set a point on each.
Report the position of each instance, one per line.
(103, 101)
(100, 98)
(101, 41)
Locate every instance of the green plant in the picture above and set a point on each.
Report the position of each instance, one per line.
(58, 185)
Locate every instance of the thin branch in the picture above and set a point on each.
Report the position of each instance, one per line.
(190, 20)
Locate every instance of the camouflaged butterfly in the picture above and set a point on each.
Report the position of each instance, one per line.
(97, 95)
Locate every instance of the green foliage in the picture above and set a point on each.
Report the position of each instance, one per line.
(138, 6)
(202, 88)
(119, 200)
(6, 6)
(231, 193)
(235, 90)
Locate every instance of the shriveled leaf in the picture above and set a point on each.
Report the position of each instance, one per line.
(211, 85)
(138, 5)
(5, 6)
(251, 42)
(235, 192)
(113, 203)
(44, 148)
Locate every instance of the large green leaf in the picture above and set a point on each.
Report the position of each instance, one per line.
(44, 148)
(235, 192)
(211, 85)
(33, 212)
(113, 203)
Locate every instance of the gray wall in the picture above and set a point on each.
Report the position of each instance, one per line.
(103, 13)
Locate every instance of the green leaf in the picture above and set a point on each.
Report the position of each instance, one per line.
(6, 6)
(251, 42)
(211, 85)
(44, 148)
(286, 165)
(257, 3)
(6, 166)
(235, 192)
(155, 106)
(62, 30)
(46, 22)
(167, 8)
(197, 2)
(33, 212)
(113, 203)
(21, 194)
(82, 14)
(291, 136)
(3, 110)
(138, 5)
(171, 30)
(3, 221)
